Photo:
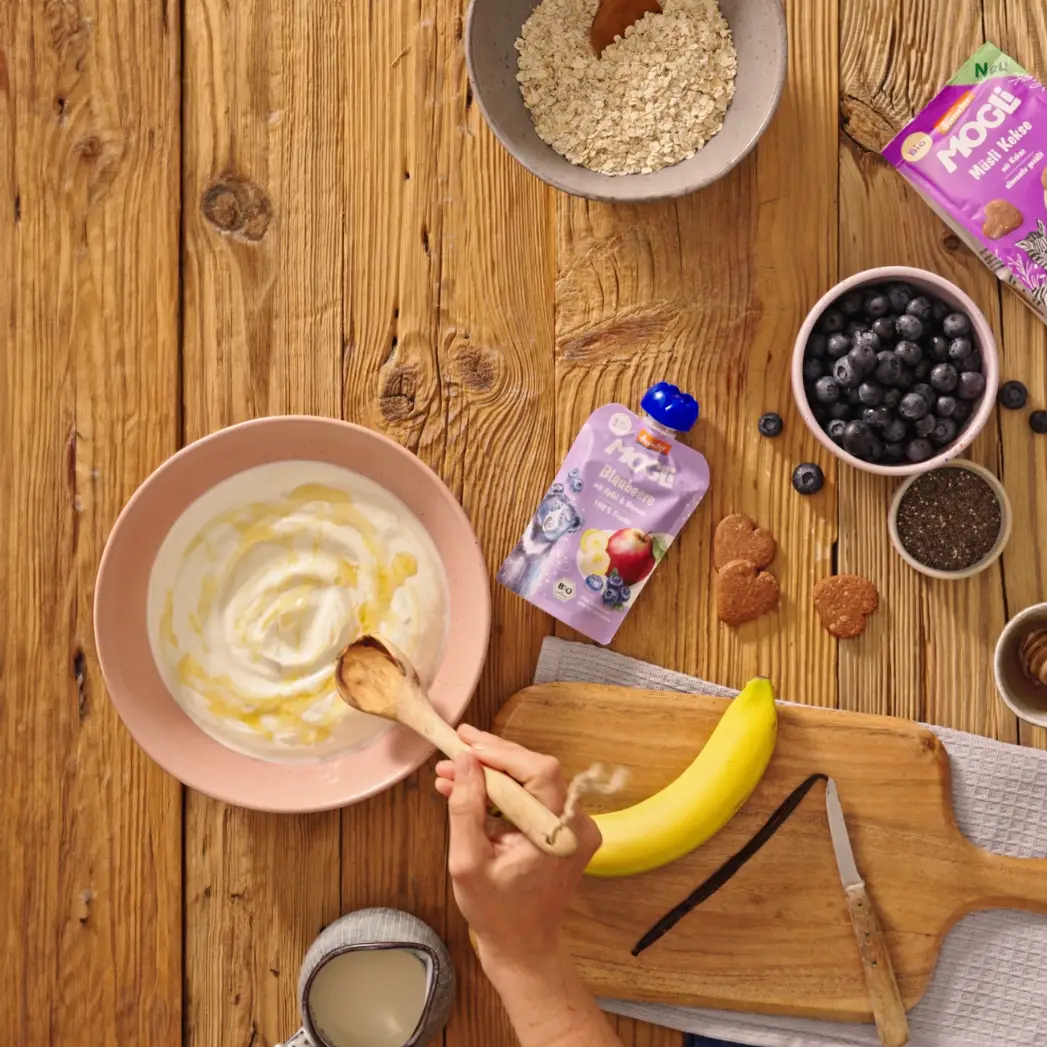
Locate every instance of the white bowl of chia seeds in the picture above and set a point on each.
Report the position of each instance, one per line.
(669, 109)
(951, 522)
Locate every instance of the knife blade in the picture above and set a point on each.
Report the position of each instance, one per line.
(884, 994)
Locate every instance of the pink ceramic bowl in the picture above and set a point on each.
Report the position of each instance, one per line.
(151, 714)
(983, 338)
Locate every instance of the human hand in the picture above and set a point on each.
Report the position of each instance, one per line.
(513, 896)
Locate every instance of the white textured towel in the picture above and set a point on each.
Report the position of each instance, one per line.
(990, 986)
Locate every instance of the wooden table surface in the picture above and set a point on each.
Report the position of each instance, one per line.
(211, 211)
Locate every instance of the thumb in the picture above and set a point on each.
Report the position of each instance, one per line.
(467, 810)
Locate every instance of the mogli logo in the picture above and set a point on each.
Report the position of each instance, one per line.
(972, 134)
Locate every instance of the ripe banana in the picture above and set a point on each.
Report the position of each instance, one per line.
(705, 797)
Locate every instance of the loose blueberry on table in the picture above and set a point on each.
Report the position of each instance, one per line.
(770, 424)
(808, 478)
(1013, 395)
(893, 375)
(1038, 422)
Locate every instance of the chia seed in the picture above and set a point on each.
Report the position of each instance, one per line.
(949, 519)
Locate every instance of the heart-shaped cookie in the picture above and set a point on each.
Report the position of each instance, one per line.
(738, 538)
(744, 593)
(844, 603)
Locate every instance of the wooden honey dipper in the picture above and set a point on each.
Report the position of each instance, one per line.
(374, 677)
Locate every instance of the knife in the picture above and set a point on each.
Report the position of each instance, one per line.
(884, 995)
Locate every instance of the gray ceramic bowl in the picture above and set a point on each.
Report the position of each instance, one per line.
(760, 37)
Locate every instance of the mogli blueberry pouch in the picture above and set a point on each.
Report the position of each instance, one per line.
(623, 493)
(978, 155)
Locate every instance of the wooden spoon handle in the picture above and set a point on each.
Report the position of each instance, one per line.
(884, 995)
(526, 812)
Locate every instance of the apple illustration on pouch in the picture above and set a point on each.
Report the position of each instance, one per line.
(632, 554)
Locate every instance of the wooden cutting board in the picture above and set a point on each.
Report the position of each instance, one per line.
(776, 938)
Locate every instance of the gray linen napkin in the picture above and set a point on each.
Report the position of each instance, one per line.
(990, 986)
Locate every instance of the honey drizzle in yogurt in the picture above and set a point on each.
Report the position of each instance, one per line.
(257, 524)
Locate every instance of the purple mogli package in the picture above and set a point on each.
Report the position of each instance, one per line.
(976, 154)
(624, 491)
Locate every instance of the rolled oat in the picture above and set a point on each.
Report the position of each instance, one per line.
(654, 98)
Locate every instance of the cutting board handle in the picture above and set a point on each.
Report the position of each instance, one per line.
(1010, 883)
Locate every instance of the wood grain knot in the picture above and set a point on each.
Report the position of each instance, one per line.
(864, 124)
(950, 241)
(476, 367)
(399, 391)
(239, 208)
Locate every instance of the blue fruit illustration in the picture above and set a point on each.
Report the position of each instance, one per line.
(594, 582)
(611, 596)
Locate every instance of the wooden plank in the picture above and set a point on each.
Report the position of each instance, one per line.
(90, 950)
(262, 334)
(672, 291)
(1020, 29)
(928, 652)
(448, 351)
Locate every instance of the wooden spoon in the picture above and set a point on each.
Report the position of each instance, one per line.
(374, 677)
(613, 17)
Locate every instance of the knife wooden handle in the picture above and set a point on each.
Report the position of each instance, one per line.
(884, 995)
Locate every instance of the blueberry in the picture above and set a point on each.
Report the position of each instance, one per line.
(876, 417)
(922, 371)
(864, 357)
(576, 485)
(927, 393)
(835, 430)
(893, 453)
(594, 582)
(816, 345)
(956, 325)
(877, 305)
(625, 593)
(905, 381)
(895, 430)
(867, 340)
(614, 579)
(846, 374)
(899, 295)
(971, 362)
(892, 397)
(808, 478)
(913, 406)
(939, 348)
(908, 352)
(1013, 395)
(838, 345)
(574, 473)
(857, 439)
(972, 385)
(888, 367)
(832, 320)
(946, 406)
(854, 327)
(853, 397)
(611, 596)
(909, 327)
(919, 450)
(821, 414)
(851, 303)
(812, 369)
(870, 394)
(1038, 422)
(940, 310)
(959, 348)
(840, 410)
(920, 308)
(770, 424)
(962, 411)
(826, 391)
(883, 328)
(944, 432)
(925, 426)
(944, 378)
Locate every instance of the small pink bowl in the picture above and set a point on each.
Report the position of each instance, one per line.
(984, 342)
(156, 721)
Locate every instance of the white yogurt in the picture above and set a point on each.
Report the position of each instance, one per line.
(261, 583)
